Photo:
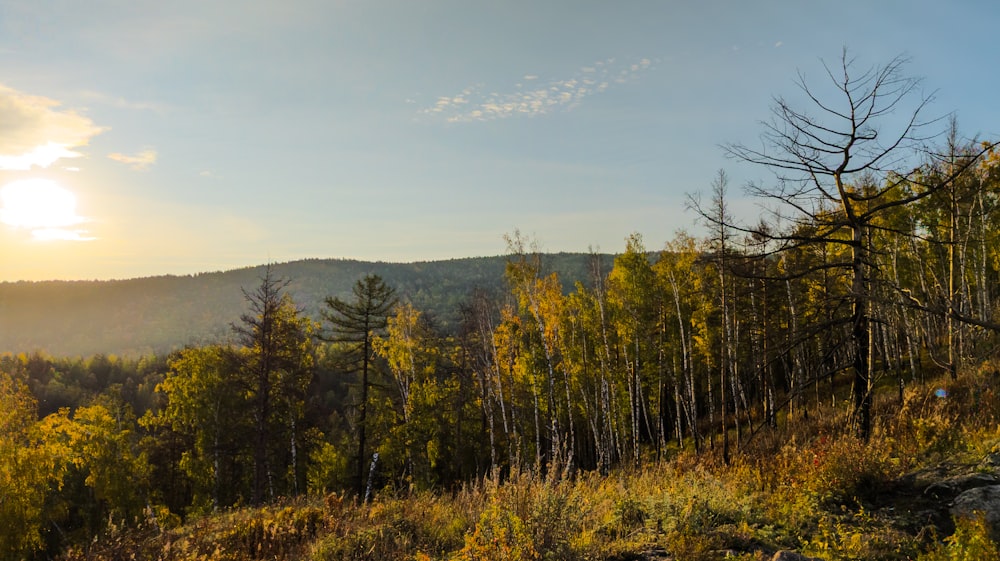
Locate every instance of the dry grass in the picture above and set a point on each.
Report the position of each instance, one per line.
(811, 487)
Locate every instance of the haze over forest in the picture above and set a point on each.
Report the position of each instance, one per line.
(159, 314)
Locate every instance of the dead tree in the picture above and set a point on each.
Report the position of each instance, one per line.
(850, 150)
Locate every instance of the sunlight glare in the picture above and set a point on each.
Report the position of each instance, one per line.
(42, 206)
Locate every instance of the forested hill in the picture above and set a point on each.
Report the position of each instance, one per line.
(157, 314)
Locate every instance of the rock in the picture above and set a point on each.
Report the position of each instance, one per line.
(929, 516)
(954, 485)
(981, 501)
(785, 555)
(922, 478)
(655, 553)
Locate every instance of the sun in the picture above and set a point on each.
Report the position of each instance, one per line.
(41, 206)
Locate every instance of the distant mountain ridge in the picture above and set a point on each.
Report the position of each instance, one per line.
(157, 314)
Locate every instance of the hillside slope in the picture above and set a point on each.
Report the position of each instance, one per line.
(806, 486)
(157, 314)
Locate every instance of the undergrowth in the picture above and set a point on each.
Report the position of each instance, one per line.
(808, 486)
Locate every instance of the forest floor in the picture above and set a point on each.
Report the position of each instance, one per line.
(807, 486)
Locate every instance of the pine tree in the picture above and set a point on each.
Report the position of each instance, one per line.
(356, 324)
(275, 368)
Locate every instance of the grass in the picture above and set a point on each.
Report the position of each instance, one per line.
(811, 487)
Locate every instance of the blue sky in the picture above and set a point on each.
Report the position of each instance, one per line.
(205, 135)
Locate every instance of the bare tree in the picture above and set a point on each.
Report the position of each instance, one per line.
(721, 218)
(851, 152)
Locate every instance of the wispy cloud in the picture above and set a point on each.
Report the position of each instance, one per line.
(121, 102)
(475, 103)
(60, 234)
(139, 161)
(35, 131)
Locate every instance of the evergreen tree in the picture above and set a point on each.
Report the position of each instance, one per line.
(275, 368)
(355, 325)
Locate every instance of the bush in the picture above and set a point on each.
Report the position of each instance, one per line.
(970, 542)
(417, 527)
(529, 518)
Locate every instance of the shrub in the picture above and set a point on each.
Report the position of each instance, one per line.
(416, 527)
(530, 518)
(970, 542)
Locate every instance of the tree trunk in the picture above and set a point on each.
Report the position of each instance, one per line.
(861, 335)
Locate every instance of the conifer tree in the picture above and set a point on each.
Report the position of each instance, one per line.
(275, 366)
(356, 324)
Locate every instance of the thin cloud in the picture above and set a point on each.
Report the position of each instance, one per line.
(121, 102)
(140, 161)
(59, 234)
(35, 131)
(476, 104)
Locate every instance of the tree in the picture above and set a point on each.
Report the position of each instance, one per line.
(411, 351)
(479, 326)
(356, 324)
(205, 405)
(242, 403)
(675, 271)
(540, 302)
(720, 244)
(275, 368)
(849, 153)
(106, 478)
(633, 300)
(954, 226)
(27, 468)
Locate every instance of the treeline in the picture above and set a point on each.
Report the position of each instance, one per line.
(869, 282)
(157, 315)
